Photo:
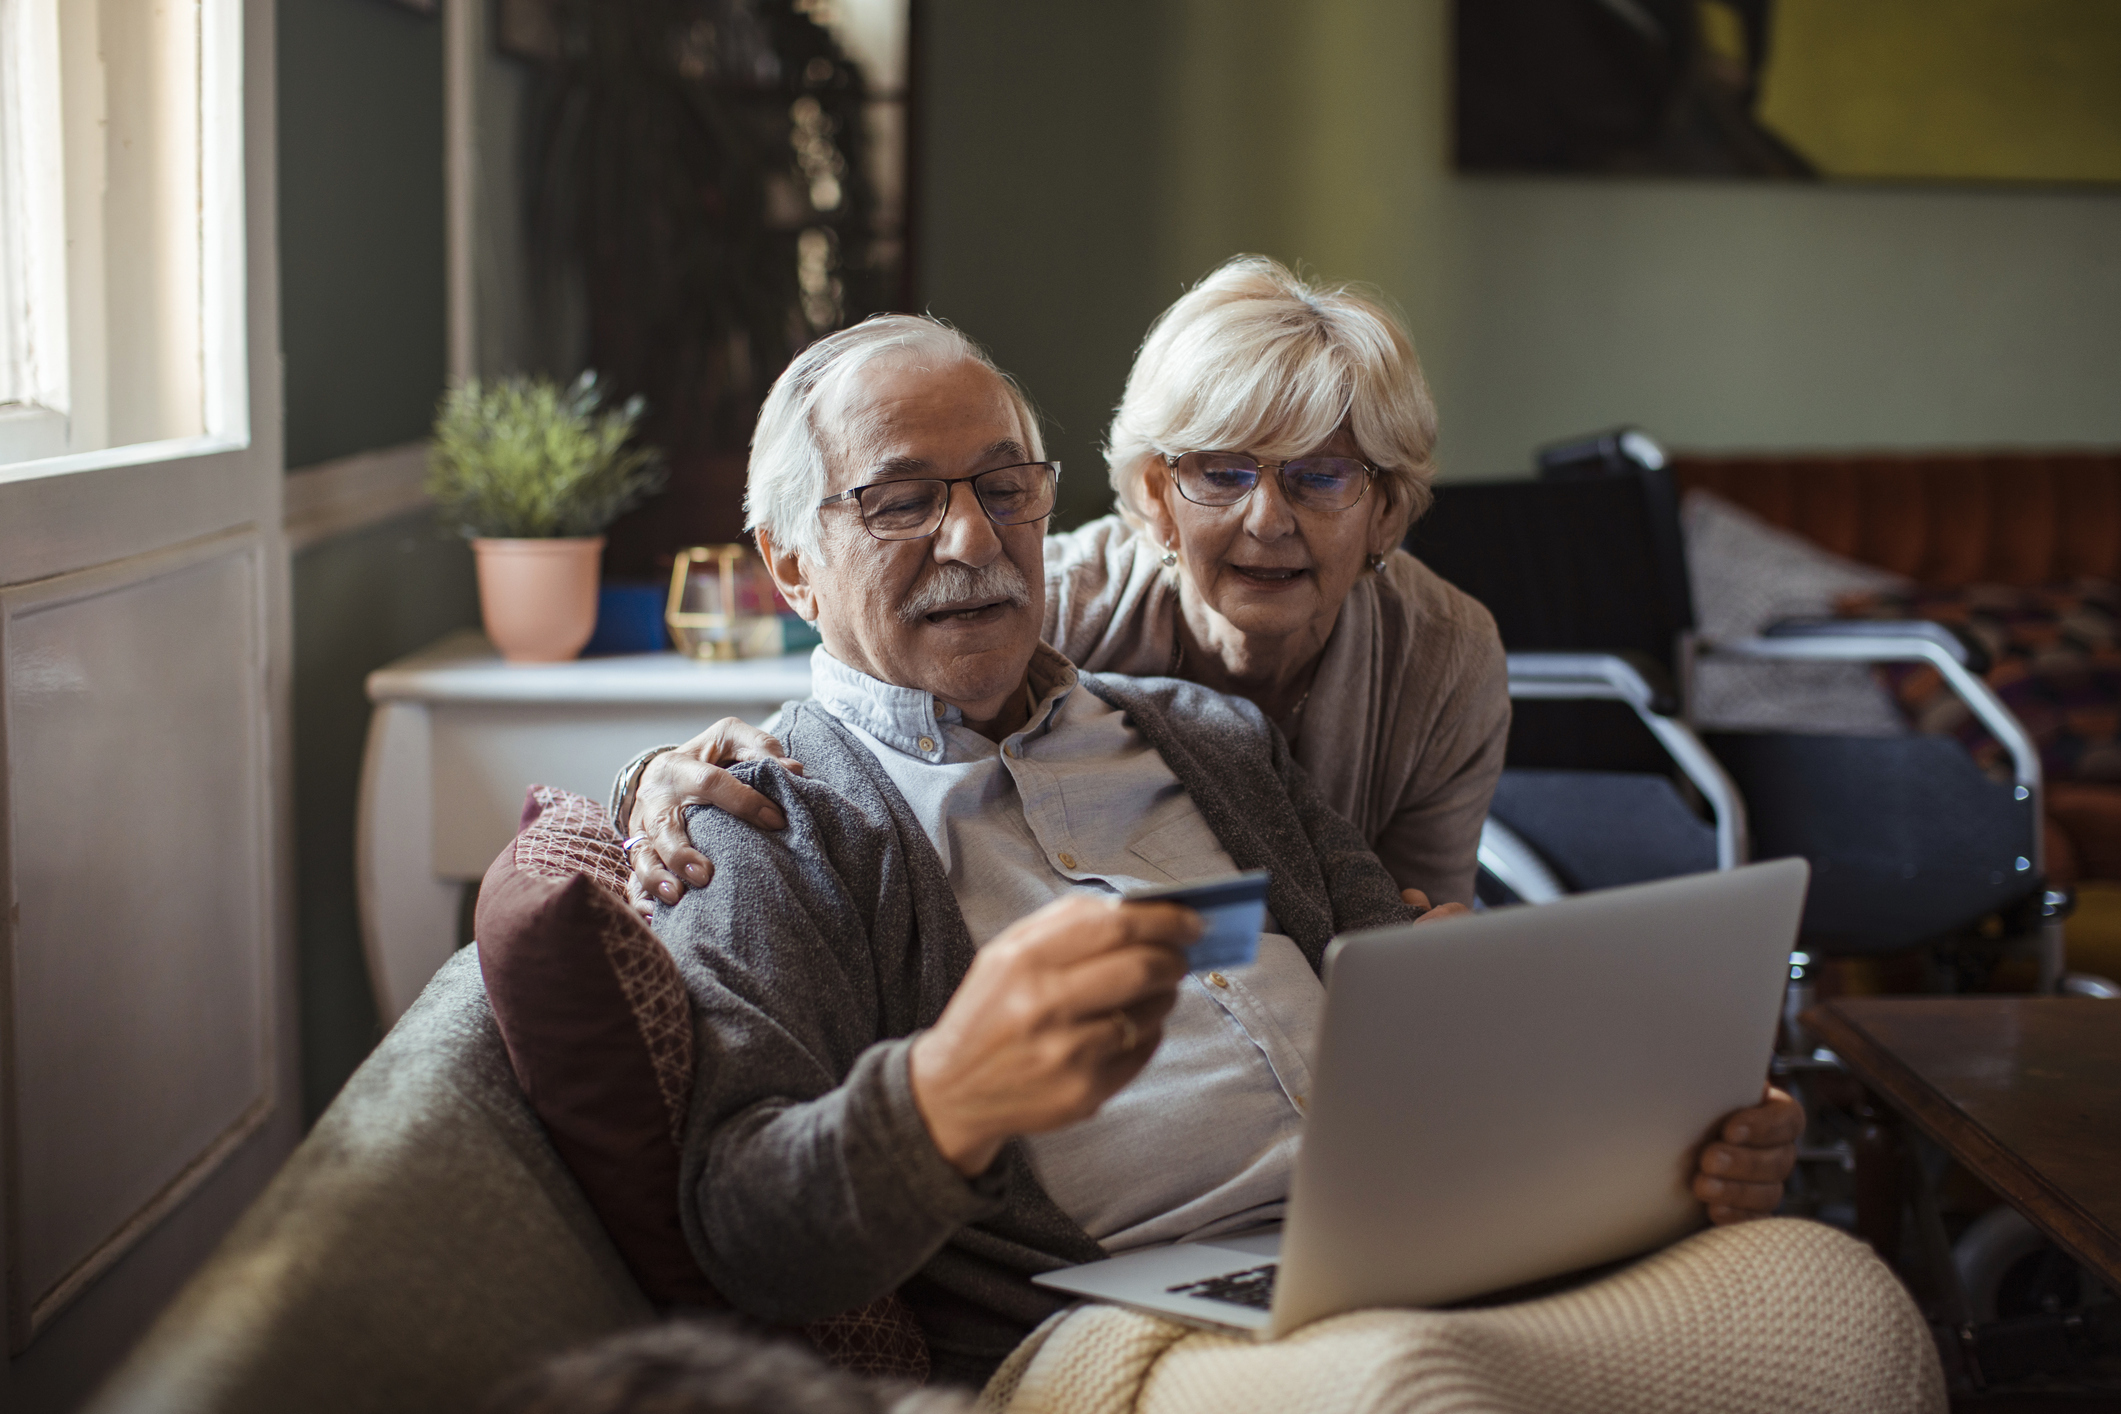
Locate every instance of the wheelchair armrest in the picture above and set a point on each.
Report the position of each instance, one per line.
(1633, 678)
(1642, 684)
(1959, 661)
(1970, 652)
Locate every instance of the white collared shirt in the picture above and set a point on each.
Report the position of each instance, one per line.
(1204, 1140)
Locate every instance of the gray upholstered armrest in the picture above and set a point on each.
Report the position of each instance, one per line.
(422, 1243)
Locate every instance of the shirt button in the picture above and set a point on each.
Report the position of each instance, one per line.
(1218, 979)
(927, 743)
(1067, 860)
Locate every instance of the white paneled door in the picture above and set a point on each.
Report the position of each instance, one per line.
(147, 1083)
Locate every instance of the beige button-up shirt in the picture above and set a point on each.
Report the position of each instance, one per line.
(1204, 1140)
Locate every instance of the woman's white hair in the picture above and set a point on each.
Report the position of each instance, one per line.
(805, 419)
(1255, 359)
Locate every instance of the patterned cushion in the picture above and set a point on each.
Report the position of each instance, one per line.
(599, 1031)
(2056, 665)
(562, 833)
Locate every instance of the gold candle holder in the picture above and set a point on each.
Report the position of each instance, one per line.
(721, 605)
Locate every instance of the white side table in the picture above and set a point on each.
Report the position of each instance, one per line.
(458, 735)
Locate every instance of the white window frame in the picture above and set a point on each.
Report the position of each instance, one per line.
(41, 342)
(33, 342)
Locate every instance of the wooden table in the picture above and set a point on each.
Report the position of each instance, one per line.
(458, 734)
(2025, 1092)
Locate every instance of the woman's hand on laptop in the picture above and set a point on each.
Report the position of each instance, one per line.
(1057, 1012)
(1740, 1174)
(1430, 913)
(664, 861)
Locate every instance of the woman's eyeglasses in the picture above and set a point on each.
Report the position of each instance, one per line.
(1315, 483)
(913, 509)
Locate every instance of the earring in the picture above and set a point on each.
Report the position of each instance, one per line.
(1377, 564)
(1170, 557)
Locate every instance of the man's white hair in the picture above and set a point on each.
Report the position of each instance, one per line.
(1255, 359)
(806, 419)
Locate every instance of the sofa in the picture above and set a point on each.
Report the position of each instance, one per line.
(476, 1199)
(426, 1242)
(1949, 521)
(423, 1243)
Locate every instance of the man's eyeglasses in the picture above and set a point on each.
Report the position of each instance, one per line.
(913, 509)
(1315, 483)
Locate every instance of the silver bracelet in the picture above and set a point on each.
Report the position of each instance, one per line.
(629, 783)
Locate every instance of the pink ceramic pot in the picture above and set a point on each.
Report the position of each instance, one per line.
(538, 597)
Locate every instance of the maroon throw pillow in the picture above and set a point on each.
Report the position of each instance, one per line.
(598, 1027)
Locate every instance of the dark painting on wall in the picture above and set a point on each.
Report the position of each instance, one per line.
(1878, 90)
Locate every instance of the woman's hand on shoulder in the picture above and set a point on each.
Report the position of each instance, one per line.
(664, 861)
(1415, 898)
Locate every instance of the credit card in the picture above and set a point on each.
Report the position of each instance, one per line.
(1233, 908)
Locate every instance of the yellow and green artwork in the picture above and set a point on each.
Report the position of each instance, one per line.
(1864, 90)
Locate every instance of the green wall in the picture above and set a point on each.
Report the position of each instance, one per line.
(1079, 164)
(1738, 317)
(361, 600)
(361, 260)
(361, 236)
(1038, 177)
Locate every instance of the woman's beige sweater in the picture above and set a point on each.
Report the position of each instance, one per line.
(1406, 722)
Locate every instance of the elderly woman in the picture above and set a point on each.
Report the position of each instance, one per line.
(1272, 447)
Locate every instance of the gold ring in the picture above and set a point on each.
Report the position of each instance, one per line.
(1129, 1033)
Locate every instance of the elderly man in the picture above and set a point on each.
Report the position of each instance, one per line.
(938, 1056)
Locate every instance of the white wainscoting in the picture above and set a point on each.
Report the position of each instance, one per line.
(352, 493)
(139, 953)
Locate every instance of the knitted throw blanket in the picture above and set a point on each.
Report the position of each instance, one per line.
(1762, 1318)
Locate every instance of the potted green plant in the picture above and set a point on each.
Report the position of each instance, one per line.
(532, 473)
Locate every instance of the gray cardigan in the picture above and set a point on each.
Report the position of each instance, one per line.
(810, 1185)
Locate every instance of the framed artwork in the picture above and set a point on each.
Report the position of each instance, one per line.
(2022, 91)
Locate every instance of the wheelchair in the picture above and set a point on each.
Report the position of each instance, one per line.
(1916, 852)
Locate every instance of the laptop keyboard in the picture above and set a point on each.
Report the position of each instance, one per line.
(1252, 1287)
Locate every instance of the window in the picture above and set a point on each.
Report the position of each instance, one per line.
(32, 235)
(122, 260)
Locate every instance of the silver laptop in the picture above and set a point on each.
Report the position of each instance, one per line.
(1500, 1099)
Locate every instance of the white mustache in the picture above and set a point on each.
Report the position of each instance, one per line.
(960, 584)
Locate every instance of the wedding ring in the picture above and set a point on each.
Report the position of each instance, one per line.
(1129, 1033)
(628, 844)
